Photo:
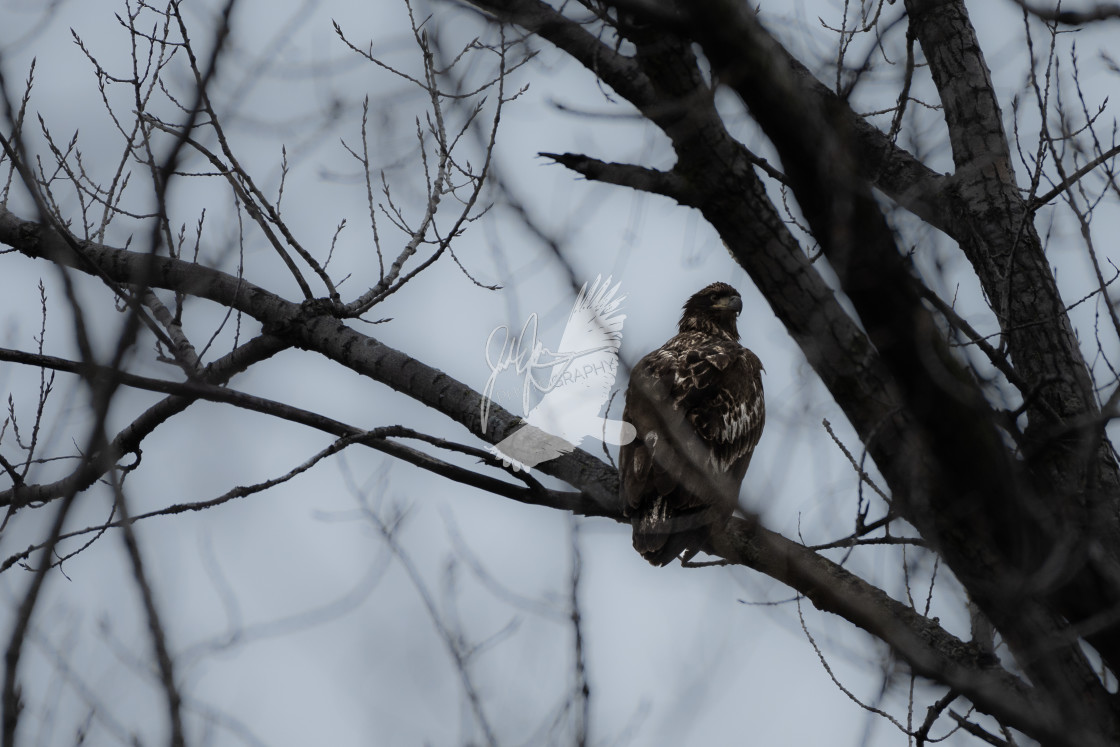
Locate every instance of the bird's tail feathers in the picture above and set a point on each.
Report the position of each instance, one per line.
(661, 536)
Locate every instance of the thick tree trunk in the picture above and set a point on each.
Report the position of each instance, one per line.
(1076, 467)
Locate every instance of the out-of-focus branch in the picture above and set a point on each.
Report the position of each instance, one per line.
(453, 639)
(151, 612)
(129, 439)
(582, 691)
(1098, 12)
(10, 702)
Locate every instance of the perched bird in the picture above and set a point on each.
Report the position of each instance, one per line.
(698, 409)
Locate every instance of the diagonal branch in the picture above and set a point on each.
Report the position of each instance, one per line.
(930, 651)
(1098, 12)
(668, 183)
(1075, 177)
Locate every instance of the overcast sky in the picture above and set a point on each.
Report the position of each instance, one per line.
(292, 622)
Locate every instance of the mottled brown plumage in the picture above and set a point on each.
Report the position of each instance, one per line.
(698, 408)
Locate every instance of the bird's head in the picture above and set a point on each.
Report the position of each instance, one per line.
(713, 310)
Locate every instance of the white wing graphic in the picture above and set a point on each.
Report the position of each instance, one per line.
(579, 386)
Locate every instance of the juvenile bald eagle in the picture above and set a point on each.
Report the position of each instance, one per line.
(698, 408)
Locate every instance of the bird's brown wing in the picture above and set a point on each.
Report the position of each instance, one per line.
(696, 404)
(732, 413)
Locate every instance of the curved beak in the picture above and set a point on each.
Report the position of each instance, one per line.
(735, 303)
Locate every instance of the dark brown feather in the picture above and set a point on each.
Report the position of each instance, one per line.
(698, 408)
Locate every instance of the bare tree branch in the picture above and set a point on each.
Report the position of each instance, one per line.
(1098, 12)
